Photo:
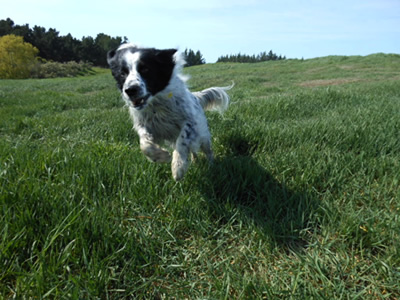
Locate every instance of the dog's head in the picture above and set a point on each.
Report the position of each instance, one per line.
(141, 73)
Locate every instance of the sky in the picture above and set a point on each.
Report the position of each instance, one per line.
(295, 29)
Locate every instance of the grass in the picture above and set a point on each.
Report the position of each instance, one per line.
(302, 202)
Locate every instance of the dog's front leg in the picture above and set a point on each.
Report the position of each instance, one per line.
(152, 151)
(180, 162)
(180, 156)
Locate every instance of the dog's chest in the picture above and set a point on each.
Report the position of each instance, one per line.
(164, 123)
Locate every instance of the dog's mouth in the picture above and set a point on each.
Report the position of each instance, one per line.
(140, 102)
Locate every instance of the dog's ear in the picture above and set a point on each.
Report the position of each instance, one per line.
(166, 56)
(111, 55)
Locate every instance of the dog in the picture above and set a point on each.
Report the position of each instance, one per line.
(163, 109)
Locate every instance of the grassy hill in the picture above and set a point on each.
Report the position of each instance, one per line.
(303, 200)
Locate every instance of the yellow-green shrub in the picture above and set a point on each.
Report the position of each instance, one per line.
(16, 57)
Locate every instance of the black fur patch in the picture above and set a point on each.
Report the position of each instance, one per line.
(189, 132)
(154, 66)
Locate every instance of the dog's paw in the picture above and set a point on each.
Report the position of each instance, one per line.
(179, 166)
(178, 175)
(178, 170)
(195, 157)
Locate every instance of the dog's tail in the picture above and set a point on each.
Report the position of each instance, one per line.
(214, 98)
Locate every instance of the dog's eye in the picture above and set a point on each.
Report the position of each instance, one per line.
(143, 69)
(124, 71)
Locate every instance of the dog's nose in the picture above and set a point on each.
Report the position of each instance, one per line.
(132, 91)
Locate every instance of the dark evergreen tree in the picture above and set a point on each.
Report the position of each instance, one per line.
(6, 27)
(70, 49)
(88, 51)
(103, 44)
(193, 58)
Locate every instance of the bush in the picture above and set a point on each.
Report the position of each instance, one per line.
(52, 69)
(17, 57)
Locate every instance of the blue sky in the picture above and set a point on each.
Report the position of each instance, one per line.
(296, 29)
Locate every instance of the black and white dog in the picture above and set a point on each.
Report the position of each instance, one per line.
(161, 106)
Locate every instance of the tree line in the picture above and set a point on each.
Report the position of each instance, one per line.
(19, 60)
(54, 47)
(243, 58)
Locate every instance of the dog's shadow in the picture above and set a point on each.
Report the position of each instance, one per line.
(238, 181)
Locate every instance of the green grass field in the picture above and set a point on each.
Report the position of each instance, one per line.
(302, 202)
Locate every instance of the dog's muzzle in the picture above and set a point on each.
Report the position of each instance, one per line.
(140, 102)
(137, 99)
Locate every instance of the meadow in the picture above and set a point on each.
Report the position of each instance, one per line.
(302, 201)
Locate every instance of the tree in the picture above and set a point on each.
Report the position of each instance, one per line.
(89, 51)
(70, 48)
(193, 58)
(105, 43)
(16, 57)
(6, 26)
(47, 41)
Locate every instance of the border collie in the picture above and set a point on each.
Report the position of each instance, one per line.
(163, 110)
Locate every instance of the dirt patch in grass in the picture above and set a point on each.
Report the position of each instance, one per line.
(326, 82)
